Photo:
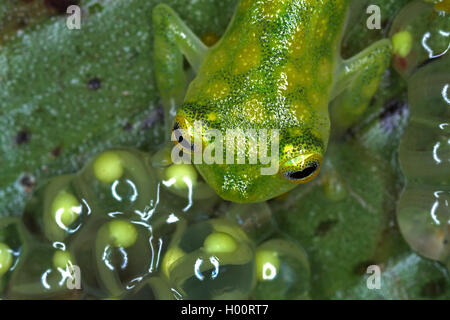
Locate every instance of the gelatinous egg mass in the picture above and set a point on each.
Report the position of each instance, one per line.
(118, 230)
(423, 211)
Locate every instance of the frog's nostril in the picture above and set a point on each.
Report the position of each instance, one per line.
(302, 174)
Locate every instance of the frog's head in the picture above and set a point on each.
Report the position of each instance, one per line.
(295, 151)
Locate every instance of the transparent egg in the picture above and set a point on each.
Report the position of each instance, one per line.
(56, 210)
(118, 180)
(213, 259)
(423, 216)
(419, 33)
(116, 254)
(12, 242)
(45, 271)
(180, 179)
(282, 271)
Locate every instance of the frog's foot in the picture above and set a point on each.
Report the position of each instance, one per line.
(357, 80)
(173, 40)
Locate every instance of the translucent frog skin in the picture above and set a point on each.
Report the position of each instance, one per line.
(277, 67)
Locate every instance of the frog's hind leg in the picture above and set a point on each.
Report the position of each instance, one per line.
(357, 80)
(172, 40)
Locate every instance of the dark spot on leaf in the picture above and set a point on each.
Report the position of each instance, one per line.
(27, 182)
(128, 126)
(61, 5)
(324, 227)
(434, 288)
(156, 116)
(361, 268)
(22, 137)
(21, 23)
(94, 84)
(57, 151)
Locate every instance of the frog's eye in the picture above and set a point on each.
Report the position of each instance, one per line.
(301, 170)
(182, 139)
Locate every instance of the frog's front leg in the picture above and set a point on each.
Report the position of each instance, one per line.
(356, 82)
(172, 40)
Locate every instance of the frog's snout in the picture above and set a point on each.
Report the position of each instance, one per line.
(301, 169)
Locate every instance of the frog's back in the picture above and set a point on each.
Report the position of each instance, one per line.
(276, 58)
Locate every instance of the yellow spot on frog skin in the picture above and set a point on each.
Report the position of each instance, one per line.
(256, 79)
(321, 28)
(216, 61)
(217, 90)
(297, 47)
(317, 133)
(314, 97)
(289, 148)
(301, 111)
(248, 57)
(271, 9)
(232, 40)
(292, 79)
(305, 78)
(253, 109)
(212, 116)
(324, 71)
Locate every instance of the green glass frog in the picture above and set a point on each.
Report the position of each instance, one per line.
(255, 119)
